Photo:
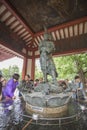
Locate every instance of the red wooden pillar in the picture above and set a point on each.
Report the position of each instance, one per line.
(24, 67)
(33, 67)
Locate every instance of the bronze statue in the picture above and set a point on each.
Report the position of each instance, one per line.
(46, 48)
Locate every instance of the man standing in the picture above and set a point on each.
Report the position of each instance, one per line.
(80, 93)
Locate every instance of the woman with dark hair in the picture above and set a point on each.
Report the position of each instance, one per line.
(8, 91)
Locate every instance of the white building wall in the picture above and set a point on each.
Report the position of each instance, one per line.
(29, 65)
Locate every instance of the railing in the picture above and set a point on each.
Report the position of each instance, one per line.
(52, 121)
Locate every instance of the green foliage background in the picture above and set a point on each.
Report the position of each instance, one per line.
(68, 66)
(8, 72)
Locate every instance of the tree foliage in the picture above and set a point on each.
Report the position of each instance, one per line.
(69, 66)
(38, 73)
(7, 73)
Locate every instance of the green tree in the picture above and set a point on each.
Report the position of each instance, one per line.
(5, 72)
(10, 71)
(69, 66)
(81, 65)
(38, 73)
(65, 67)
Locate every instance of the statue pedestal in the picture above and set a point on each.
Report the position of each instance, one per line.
(47, 112)
(53, 105)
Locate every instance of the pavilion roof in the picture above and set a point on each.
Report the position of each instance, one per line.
(22, 21)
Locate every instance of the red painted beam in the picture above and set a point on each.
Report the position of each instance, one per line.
(77, 21)
(9, 47)
(67, 53)
(9, 7)
(78, 51)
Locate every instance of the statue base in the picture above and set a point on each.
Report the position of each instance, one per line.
(52, 105)
(47, 112)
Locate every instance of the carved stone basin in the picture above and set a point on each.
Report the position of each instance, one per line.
(53, 105)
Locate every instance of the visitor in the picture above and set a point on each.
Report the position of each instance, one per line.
(31, 84)
(26, 84)
(0, 91)
(36, 82)
(86, 86)
(0, 76)
(78, 90)
(64, 85)
(9, 89)
(41, 80)
(67, 82)
(69, 85)
(4, 81)
(1, 79)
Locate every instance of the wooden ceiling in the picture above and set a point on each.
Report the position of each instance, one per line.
(24, 20)
(6, 53)
(51, 13)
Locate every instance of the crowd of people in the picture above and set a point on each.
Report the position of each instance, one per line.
(10, 88)
(76, 87)
(7, 89)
